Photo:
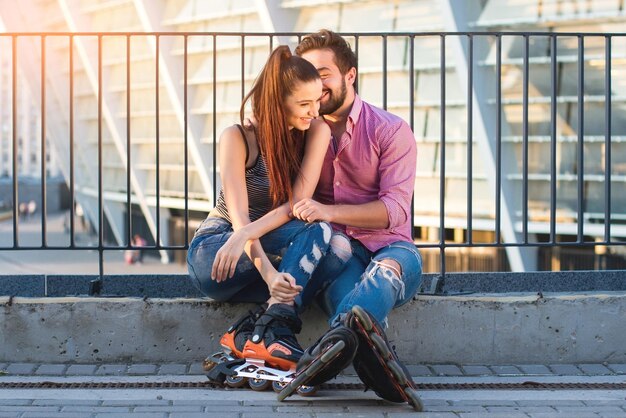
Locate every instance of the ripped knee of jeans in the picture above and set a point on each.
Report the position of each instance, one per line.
(388, 272)
(391, 264)
(340, 246)
(307, 263)
(327, 232)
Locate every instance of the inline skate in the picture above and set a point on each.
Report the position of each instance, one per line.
(234, 339)
(377, 364)
(268, 357)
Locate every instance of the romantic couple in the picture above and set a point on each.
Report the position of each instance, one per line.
(315, 206)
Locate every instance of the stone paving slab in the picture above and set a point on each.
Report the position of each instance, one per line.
(172, 403)
(64, 369)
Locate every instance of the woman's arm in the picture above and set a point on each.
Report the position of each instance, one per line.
(233, 175)
(315, 149)
(318, 138)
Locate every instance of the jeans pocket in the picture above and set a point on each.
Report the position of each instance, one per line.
(213, 225)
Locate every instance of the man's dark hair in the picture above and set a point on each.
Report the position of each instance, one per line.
(326, 39)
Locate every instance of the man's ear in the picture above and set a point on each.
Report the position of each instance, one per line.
(351, 76)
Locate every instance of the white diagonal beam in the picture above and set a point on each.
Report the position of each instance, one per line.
(457, 16)
(275, 18)
(56, 127)
(108, 115)
(171, 75)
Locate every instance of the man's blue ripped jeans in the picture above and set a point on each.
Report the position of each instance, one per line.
(360, 277)
(295, 247)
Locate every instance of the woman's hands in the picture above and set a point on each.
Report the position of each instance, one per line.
(283, 287)
(228, 256)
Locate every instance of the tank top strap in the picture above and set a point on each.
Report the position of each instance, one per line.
(245, 142)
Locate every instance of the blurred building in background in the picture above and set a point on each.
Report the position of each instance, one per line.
(116, 108)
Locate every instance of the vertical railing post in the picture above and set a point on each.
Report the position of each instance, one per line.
(71, 139)
(157, 150)
(44, 203)
(498, 138)
(470, 134)
(442, 158)
(553, 139)
(243, 70)
(129, 208)
(214, 145)
(96, 285)
(412, 115)
(384, 72)
(525, 73)
(581, 137)
(14, 140)
(356, 52)
(185, 139)
(607, 139)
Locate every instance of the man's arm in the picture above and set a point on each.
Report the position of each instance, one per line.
(397, 179)
(372, 215)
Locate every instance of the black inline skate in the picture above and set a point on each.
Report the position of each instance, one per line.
(325, 359)
(377, 364)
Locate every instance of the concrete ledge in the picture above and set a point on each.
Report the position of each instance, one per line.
(179, 285)
(519, 328)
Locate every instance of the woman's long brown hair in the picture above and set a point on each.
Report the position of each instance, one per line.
(281, 148)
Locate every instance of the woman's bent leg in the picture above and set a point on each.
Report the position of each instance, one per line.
(211, 236)
(301, 246)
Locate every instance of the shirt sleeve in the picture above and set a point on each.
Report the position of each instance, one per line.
(398, 158)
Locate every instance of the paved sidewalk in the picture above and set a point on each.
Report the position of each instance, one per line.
(183, 402)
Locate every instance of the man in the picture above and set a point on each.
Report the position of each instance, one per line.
(365, 191)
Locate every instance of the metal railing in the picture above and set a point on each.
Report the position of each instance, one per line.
(467, 40)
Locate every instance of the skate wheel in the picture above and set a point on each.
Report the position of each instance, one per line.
(363, 317)
(380, 345)
(332, 352)
(259, 384)
(208, 364)
(414, 400)
(307, 390)
(397, 372)
(293, 385)
(235, 381)
(278, 386)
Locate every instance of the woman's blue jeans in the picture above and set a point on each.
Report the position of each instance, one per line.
(359, 278)
(295, 247)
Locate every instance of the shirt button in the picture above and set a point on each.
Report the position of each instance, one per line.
(337, 183)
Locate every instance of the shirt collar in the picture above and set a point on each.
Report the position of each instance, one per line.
(353, 116)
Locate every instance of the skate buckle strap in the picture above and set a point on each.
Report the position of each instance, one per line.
(288, 325)
(240, 321)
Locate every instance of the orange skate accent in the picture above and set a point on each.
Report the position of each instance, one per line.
(259, 351)
(228, 341)
(280, 348)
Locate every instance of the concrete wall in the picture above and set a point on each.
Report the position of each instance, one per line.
(472, 329)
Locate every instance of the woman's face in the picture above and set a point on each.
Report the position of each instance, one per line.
(303, 104)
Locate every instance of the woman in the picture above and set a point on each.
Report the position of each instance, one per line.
(264, 171)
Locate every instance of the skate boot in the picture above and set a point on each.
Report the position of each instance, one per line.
(271, 353)
(238, 334)
(273, 338)
(377, 364)
(232, 342)
(323, 360)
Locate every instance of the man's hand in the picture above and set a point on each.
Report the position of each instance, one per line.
(283, 287)
(250, 122)
(309, 210)
(228, 256)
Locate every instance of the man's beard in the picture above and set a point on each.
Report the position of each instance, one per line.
(333, 102)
